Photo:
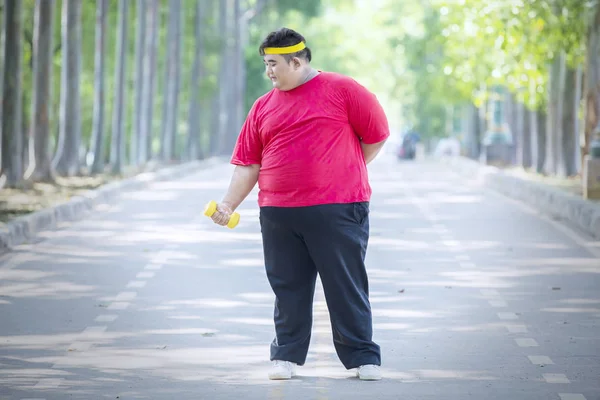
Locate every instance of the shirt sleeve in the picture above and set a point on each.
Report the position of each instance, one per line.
(248, 148)
(366, 115)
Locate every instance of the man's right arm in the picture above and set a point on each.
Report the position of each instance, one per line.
(243, 180)
(247, 156)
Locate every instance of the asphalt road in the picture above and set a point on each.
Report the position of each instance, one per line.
(474, 296)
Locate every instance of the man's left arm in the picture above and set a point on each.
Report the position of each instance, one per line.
(368, 120)
(370, 151)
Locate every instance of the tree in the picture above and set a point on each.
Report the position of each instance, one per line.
(12, 134)
(592, 77)
(97, 148)
(172, 78)
(40, 168)
(67, 161)
(117, 154)
(197, 74)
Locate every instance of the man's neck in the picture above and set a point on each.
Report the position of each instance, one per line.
(308, 74)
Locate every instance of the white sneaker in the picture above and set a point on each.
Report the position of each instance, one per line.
(368, 372)
(282, 370)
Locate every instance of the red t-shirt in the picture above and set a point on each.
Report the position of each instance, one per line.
(307, 142)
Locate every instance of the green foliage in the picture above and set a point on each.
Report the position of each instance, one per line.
(308, 8)
(510, 43)
(418, 57)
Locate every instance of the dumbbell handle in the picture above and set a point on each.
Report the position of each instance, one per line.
(211, 208)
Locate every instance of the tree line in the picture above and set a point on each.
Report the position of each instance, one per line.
(92, 87)
(534, 62)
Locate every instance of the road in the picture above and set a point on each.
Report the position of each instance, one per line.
(473, 295)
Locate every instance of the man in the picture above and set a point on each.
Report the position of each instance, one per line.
(307, 143)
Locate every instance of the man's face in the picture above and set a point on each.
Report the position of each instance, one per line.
(281, 73)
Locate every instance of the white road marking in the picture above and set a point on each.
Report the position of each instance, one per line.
(118, 305)
(136, 284)
(145, 275)
(489, 292)
(48, 383)
(454, 245)
(540, 360)
(153, 267)
(516, 328)
(507, 315)
(498, 303)
(161, 257)
(526, 342)
(124, 296)
(93, 330)
(106, 318)
(571, 396)
(468, 265)
(556, 378)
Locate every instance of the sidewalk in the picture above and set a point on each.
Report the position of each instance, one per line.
(51, 213)
(556, 198)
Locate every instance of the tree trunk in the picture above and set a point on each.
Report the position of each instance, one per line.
(243, 69)
(2, 51)
(100, 52)
(66, 161)
(592, 80)
(179, 24)
(481, 127)
(470, 126)
(145, 144)
(553, 125)
(579, 118)
(509, 115)
(117, 152)
(518, 127)
(197, 74)
(526, 139)
(12, 134)
(165, 135)
(224, 76)
(238, 96)
(170, 109)
(138, 111)
(538, 132)
(215, 124)
(569, 124)
(40, 167)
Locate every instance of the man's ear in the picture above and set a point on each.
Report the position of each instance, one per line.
(296, 62)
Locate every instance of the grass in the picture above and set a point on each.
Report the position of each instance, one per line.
(569, 184)
(35, 196)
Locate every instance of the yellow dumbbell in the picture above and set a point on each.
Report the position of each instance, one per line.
(210, 209)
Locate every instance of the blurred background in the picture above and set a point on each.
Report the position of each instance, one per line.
(96, 90)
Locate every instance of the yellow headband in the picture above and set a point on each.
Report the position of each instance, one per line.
(285, 50)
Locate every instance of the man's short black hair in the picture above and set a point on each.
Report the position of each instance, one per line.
(285, 37)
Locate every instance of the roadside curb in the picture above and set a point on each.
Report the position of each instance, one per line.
(23, 229)
(579, 212)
